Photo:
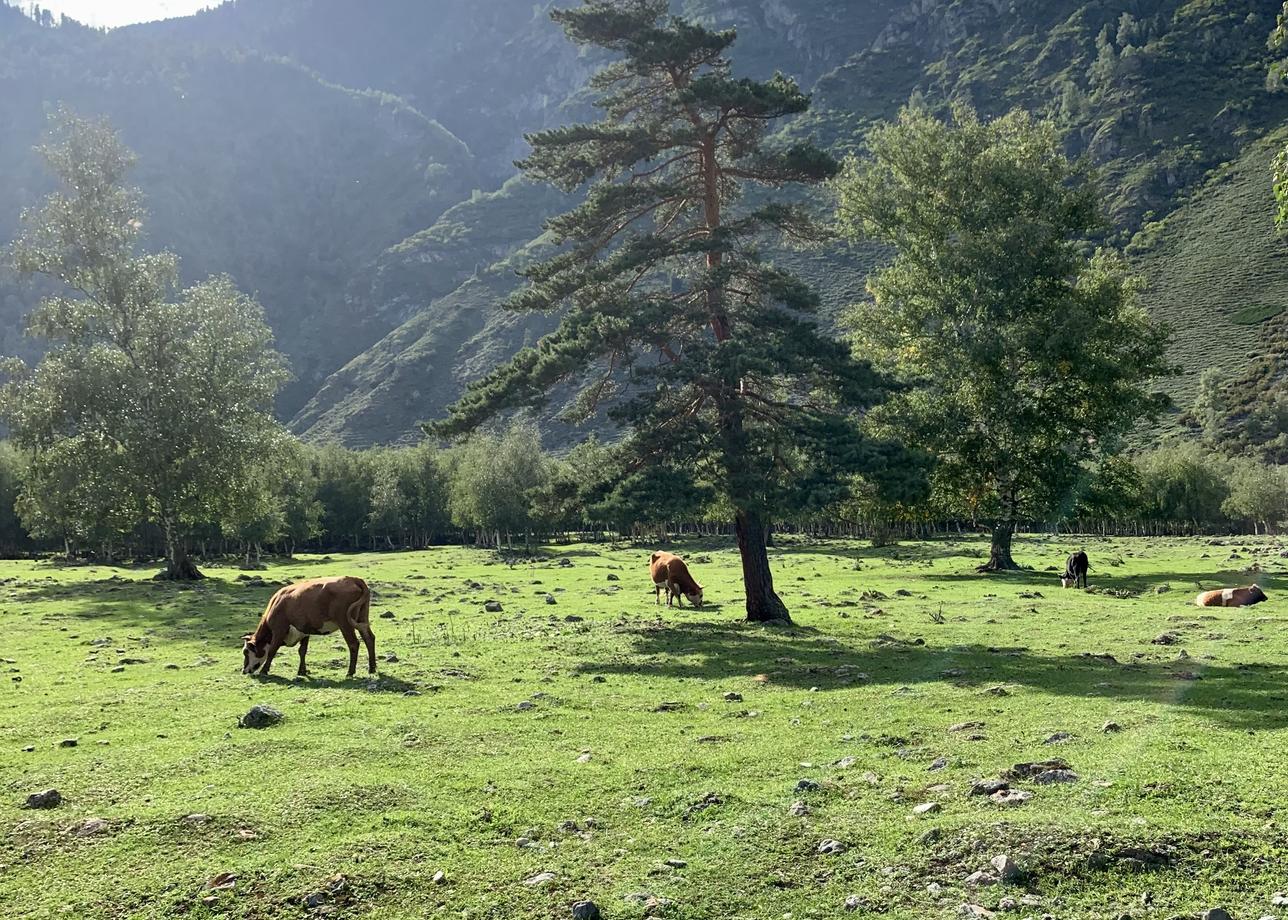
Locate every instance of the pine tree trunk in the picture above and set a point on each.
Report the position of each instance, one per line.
(763, 605)
(999, 553)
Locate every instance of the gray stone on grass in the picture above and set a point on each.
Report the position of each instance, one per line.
(260, 716)
(48, 798)
(585, 910)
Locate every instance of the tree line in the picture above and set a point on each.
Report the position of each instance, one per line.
(990, 372)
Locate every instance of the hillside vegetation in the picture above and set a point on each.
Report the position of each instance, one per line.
(352, 163)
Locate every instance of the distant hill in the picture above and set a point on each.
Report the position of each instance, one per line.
(381, 232)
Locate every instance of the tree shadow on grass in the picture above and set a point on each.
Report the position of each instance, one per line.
(1249, 696)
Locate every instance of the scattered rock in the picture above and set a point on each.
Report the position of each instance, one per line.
(807, 785)
(387, 615)
(492, 606)
(1010, 797)
(846, 762)
(336, 889)
(1006, 868)
(1167, 638)
(1216, 913)
(937, 764)
(49, 798)
(988, 786)
(525, 705)
(1057, 738)
(584, 758)
(927, 808)
(90, 827)
(68, 743)
(260, 716)
(541, 878)
(732, 697)
(550, 599)
(965, 726)
(196, 819)
(980, 879)
(831, 846)
(585, 910)
(1110, 728)
(1049, 777)
(1027, 770)
(853, 902)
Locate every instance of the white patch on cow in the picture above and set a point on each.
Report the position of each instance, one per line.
(1226, 596)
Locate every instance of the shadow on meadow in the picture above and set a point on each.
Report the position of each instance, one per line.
(1250, 696)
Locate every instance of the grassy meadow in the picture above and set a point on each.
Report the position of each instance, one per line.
(583, 743)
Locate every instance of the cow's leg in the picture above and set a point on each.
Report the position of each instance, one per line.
(273, 646)
(304, 650)
(351, 640)
(368, 637)
(657, 594)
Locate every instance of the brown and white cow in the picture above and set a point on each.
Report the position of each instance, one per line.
(315, 607)
(669, 572)
(1231, 597)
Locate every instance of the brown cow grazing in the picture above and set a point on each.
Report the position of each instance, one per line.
(315, 607)
(669, 572)
(1231, 597)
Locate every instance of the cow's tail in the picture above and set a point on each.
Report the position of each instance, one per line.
(360, 610)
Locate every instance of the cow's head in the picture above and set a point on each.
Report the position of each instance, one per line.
(1255, 595)
(252, 655)
(1067, 581)
(696, 597)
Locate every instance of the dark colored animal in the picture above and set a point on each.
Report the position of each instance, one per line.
(669, 572)
(1231, 597)
(316, 607)
(1075, 571)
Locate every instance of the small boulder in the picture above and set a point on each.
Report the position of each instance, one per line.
(585, 910)
(1049, 777)
(260, 717)
(1110, 728)
(831, 846)
(927, 808)
(798, 809)
(49, 798)
(1005, 867)
(541, 878)
(1010, 797)
(492, 606)
(1216, 913)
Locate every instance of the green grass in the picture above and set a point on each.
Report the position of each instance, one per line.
(1255, 314)
(1185, 803)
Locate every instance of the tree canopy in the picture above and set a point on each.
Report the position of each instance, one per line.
(143, 408)
(673, 320)
(1025, 352)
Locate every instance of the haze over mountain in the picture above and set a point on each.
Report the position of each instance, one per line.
(352, 163)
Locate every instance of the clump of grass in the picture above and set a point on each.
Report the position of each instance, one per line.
(1255, 314)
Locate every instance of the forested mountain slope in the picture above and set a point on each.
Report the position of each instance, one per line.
(381, 232)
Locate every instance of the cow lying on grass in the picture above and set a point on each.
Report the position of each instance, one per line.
(1231, 597)
(315, 607)
(669, 572)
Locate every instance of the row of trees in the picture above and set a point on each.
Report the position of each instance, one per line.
(997, 361)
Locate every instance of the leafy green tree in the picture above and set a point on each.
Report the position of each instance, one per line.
(495, 481)
(1183, 486)
(344, 484)
(298, 488)
(1258, 494)
(707, 353)
(13, 471)
(409, 494)
(1027, 356)
(155, 404)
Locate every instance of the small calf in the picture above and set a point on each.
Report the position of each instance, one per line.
(315, 607)
(1231, 597)
(669, 572)
(1075, 571)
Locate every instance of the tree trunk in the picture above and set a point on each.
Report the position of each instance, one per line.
(999, 554)
(763, 605)
(178, 564)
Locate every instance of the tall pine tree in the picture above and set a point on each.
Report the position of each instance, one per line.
(674, 322)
